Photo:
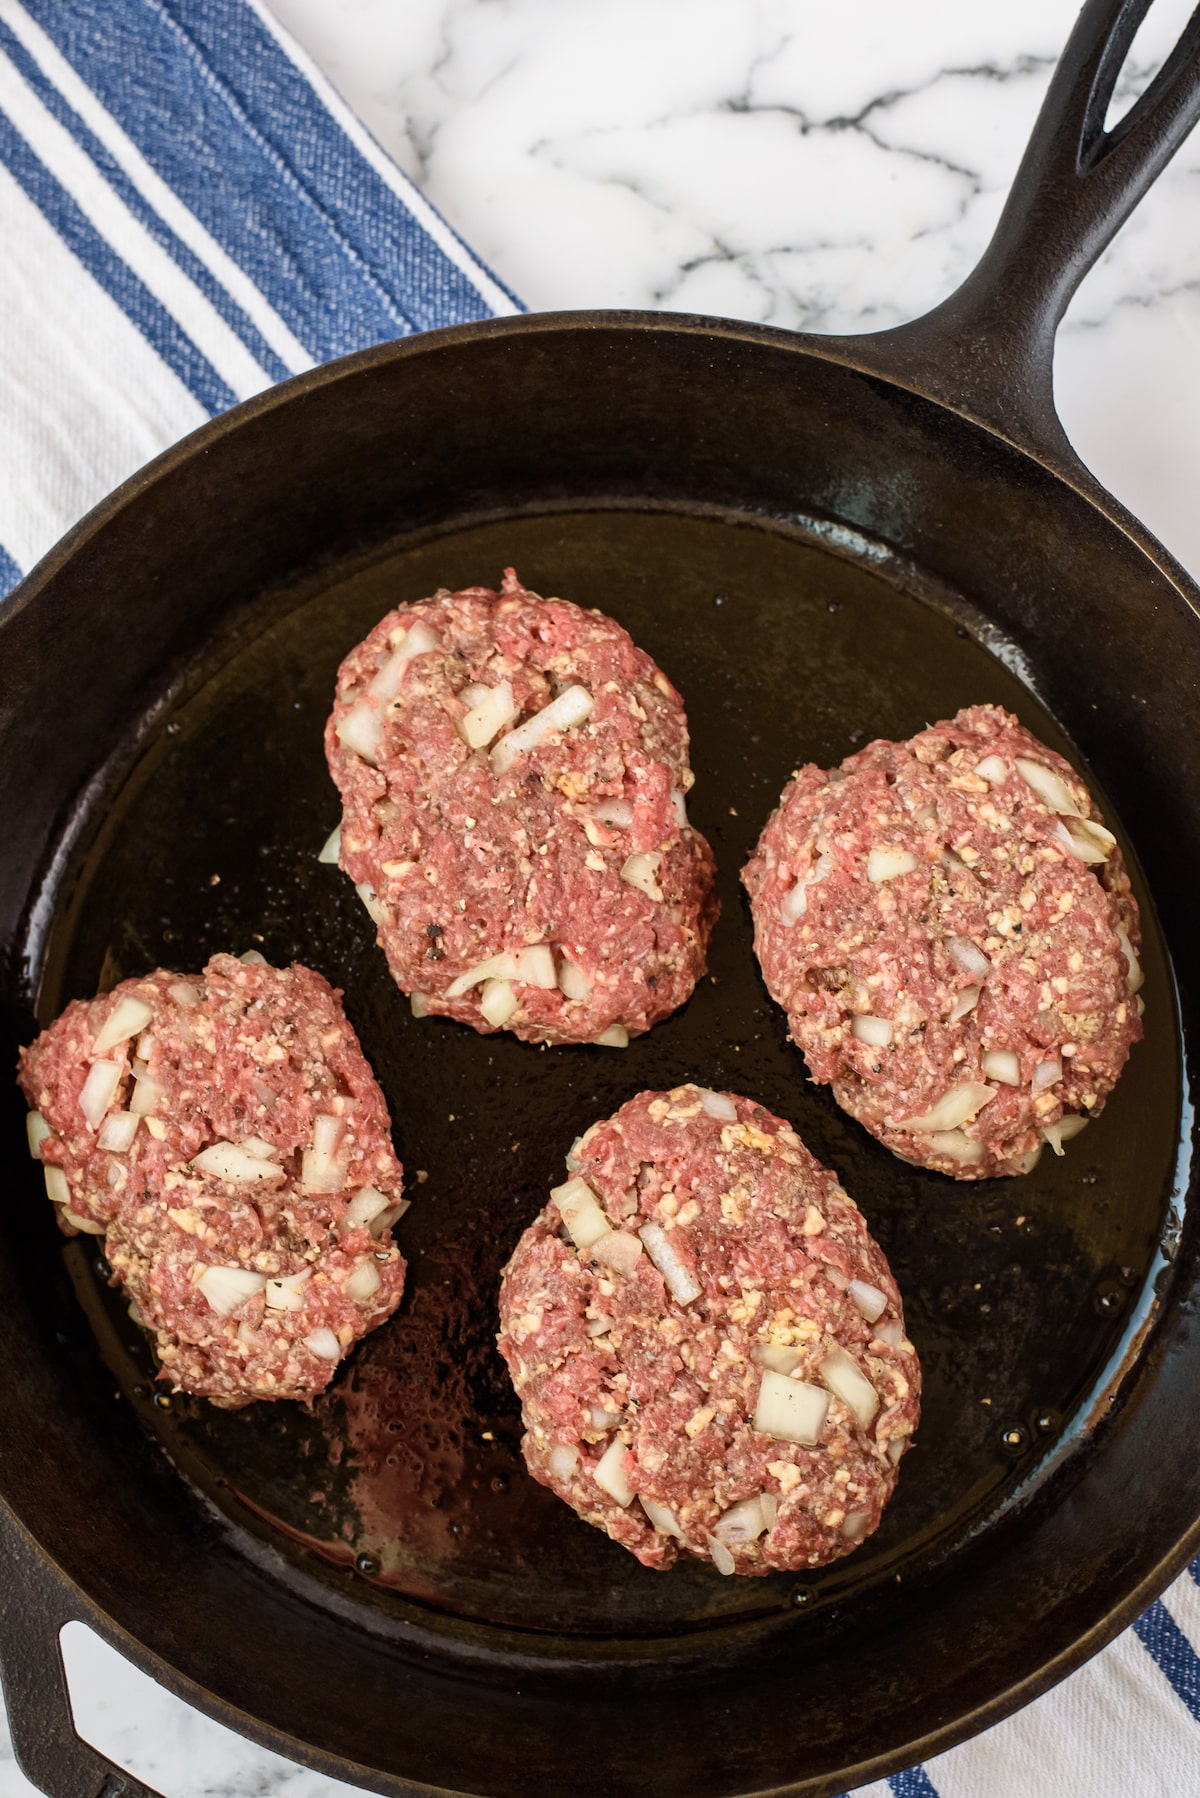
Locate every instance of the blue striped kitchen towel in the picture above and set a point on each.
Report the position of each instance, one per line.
(187, 214)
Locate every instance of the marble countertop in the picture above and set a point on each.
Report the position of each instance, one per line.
(834, 169)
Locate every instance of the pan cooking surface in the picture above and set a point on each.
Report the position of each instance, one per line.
(404, 1486)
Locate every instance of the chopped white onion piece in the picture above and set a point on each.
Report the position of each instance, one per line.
(581, 1212)
(226, 1288)
(1046, 1073)
(361, 730)
(570, 709)
(419, 1004)
(128, 1017)
(891, 1332)
(682, 1283)
(775, 1356)
(964, 1002)
(603, 1420)
(99, 1090)
(331, 848)
(718, 1105)
(1025, 1164)
(145, 1045)
(845, 1378)
(877, 1032)
(993, 769)
(230, 1161)
(473, 695)
(85, 1224)
(599, 1326)
(36, 1130)
(498, 1001)
(640, 870)
(1088, 835)
(376, 910)
(870, 1301)
(328, 1131)
(615, 1037)
(563, 1461)
(790, 1410)
(679, 807)
(958, 1105)
(258, 1145)
(886, 864)
(501, 967)
(661, 1516)
(743, 1522)
(573, 982)
(184, 993)
(854, 1528)
(1076, 842)
(145, 1095)
(364, 1207)
(1067, 1127)
(58, 1189)
(956, 1145)
(794, 903)
(118, 1131)
(535, 966)
(324, 1344)
(418, 641)
(896, 1448)
(1050, 787)
(619, 1250)
(722, 1560)
(362, 1282)
(287, 1293)
(319, 1171)
(618, 812)
(489, 716)
(386, 1219)
(609, 1473)
(253, 958)
(1003, 1065)
(965, 955)
(1134, 978)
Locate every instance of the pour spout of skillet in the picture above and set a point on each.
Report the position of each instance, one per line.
(988, 349)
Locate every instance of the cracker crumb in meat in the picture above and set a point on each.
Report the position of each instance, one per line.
(513, 773)
(707, 1343)
(225, 1135)
(950, 928)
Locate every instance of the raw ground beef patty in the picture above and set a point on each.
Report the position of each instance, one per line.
(708, 1346)
(513, 773)
(951, 930)
(227, 1137)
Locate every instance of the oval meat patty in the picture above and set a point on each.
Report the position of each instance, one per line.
(708, 1345)
(951, 931)
(513, 773)
(225, 1135)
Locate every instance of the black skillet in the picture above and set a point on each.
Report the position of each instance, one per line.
(822, 540)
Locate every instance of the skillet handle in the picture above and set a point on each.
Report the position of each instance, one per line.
(35, 1602)
(988, 349)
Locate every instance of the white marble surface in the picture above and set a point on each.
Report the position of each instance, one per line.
(832, 168)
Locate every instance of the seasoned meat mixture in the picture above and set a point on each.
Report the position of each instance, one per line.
(225, 1135)
(708, 1345)
(951, 930)
(513, 773)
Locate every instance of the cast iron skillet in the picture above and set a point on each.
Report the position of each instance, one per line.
(822, 540)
